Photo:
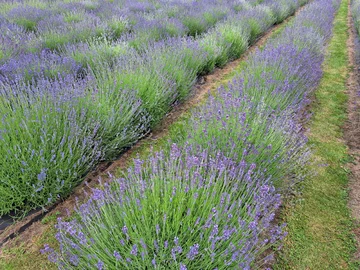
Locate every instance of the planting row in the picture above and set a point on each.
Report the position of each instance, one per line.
(31, 26)
(355, 10)
(27, 60)
(208, 200)
(54, 129)
(57, 38)
(51, 25)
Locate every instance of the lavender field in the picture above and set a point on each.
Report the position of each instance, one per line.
(82, 82)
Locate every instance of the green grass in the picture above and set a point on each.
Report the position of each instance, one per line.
(319, 221)
(28, 256)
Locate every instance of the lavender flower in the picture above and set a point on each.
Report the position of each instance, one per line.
(238, 220)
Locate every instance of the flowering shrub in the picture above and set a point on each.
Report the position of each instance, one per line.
(252, 131)
(50, 142)
(176, 211)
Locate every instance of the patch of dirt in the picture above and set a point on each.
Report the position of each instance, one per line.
(352, 127)
(26, 231)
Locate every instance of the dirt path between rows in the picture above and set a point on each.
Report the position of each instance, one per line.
(26, 231)
(352, 128)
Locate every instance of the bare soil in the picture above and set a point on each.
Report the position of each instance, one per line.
(352, 127)
(26, 231)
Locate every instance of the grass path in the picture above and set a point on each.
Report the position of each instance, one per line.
(319, 221)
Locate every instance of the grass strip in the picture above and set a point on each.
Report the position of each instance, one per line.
(319, 222)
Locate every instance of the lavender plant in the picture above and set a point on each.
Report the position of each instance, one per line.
(31, 67)
(56, 137)
(13, 40)
(279, 75)
(355, 9)
(181, 211)
(95, 54)
(47, 145)
(255, 132)
(282, 9)
(62, 29)
(156, 90)
(27, 16)
(259, 19)
(181, 60)
(227, 41)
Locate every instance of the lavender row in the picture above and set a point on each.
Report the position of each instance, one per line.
(355, 10)
(50, 25)
(262, 109)
(208, 201)
(58, 123)
(75, 57)
(29, 28)
(36, 35)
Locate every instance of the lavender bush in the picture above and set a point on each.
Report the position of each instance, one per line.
(181, 211)
(227, 41)
(38, 145)
(28, 16)
(50, 142)
(28, 67)
(255, 132)
(278, 75)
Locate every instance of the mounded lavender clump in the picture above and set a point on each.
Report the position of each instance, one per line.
(29, 67)
(176, 211)
(279, 76)
(249, 130)
(53, 140)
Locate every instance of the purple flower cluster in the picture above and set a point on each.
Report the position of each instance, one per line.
(175, 210)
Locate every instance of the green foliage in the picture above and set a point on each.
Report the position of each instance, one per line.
(26, 23)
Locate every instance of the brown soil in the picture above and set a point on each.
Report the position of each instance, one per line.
(352, 129)
(26, 231)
